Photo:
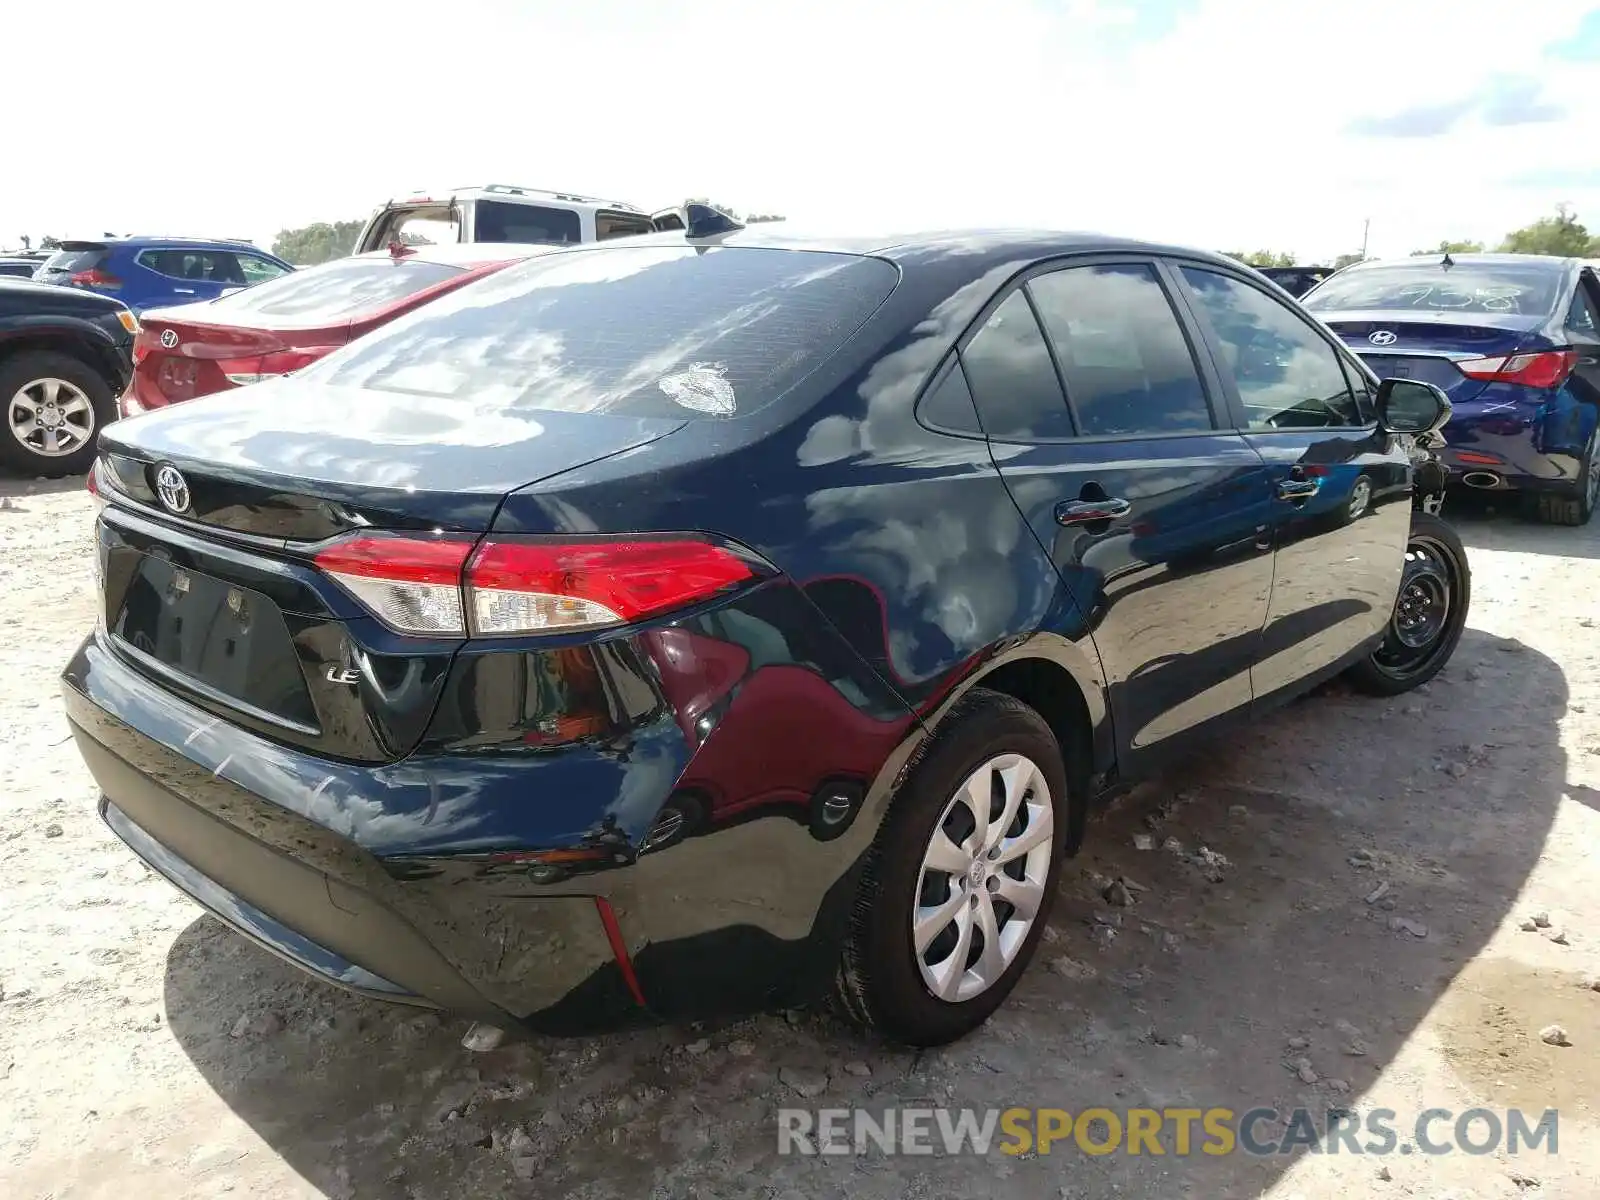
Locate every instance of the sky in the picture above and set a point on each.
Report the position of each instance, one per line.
(1227, 124)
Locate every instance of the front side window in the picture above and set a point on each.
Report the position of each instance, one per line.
(1287, 374)
(258, 270)
(1127, 366)
(1584, 317)
(531, 224)
(1012, 378)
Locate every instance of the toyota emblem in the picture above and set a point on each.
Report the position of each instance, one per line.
(172, 489)
(1383, 337)
(169, 338)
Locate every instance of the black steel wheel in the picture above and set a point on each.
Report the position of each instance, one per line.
(1429, 614)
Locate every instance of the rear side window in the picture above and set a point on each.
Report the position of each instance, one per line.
(615, 224)
(665, 331)
(336, 291)
(1126, 363)
(1288, 375)
(526, 223)
(73, 260)
(1012, 378)
(206, 266)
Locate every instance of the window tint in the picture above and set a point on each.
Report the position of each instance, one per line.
(639, 330)
(948, 404)
(258, 270)
(1288, 375)
(615, 224)
(1012, 377)
(526, 223)
(338, 290)
(1122, 353)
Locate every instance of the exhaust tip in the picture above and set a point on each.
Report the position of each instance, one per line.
(1481, 479)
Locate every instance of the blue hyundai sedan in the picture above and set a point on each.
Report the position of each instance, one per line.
(1514, 340)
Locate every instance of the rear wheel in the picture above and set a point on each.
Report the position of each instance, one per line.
(1429, 614)
(1576, 506)
(962, 878)
(53, 408)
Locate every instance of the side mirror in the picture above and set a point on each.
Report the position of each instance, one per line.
(1411, 406)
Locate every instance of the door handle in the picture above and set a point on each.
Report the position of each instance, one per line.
(1082, 512)
(1298, 489)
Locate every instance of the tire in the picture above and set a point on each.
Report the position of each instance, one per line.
(1434, 557)
(27, 378)
(881, 982)
(1577, 506)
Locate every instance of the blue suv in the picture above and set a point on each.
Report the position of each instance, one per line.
(153, 272)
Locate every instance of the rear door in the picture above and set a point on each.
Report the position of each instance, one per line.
(1341, 507)
(1102, 422)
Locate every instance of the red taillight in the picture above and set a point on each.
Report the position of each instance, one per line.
(512, 587)
(242, 371)
(1543, 369)
(531, 587)
(95, 277)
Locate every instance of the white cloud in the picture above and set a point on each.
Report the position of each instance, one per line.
(1225, 123)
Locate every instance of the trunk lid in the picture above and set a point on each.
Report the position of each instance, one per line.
(221, 602)
(1413, 345)
(294, 460)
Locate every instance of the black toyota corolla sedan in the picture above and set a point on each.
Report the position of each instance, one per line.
(706, 622)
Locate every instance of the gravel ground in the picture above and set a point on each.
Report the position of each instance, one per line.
(146, 1051)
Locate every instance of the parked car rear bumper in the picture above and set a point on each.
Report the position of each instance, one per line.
(321, 901)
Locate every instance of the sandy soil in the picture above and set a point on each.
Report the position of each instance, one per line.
(146, 1051)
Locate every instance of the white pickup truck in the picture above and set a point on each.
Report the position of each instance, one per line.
(499, 212)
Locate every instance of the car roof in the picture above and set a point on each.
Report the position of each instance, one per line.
(156, 239)
(514, 192)
(985, 247)
(465, 254)
(1551, 262)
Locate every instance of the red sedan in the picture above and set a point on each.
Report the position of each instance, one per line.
(284, 324)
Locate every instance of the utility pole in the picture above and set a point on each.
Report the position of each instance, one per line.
(1366, 228)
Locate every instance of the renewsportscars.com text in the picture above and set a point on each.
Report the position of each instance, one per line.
(1167, 1131)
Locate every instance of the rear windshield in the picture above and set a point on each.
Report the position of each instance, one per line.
(337, 290)
(669, 331)
(1505, 288)
(73, 260)
(531, 224)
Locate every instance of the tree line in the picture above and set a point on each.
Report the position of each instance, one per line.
(1562, 235)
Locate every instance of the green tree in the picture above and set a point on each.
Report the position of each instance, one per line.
(49, 243)
(748, 219)
(1346, 260)
(1563, 235)
(1263, 258)
(1449, 248)
(316, 243)
(758, 218)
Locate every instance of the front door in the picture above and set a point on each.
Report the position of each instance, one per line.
(1341, 490)
(1101, 422)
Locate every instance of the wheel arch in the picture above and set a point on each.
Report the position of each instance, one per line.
(87, 346)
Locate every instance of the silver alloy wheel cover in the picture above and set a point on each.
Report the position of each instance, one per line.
(1360, 497)
(987, 865)
(50, 417)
